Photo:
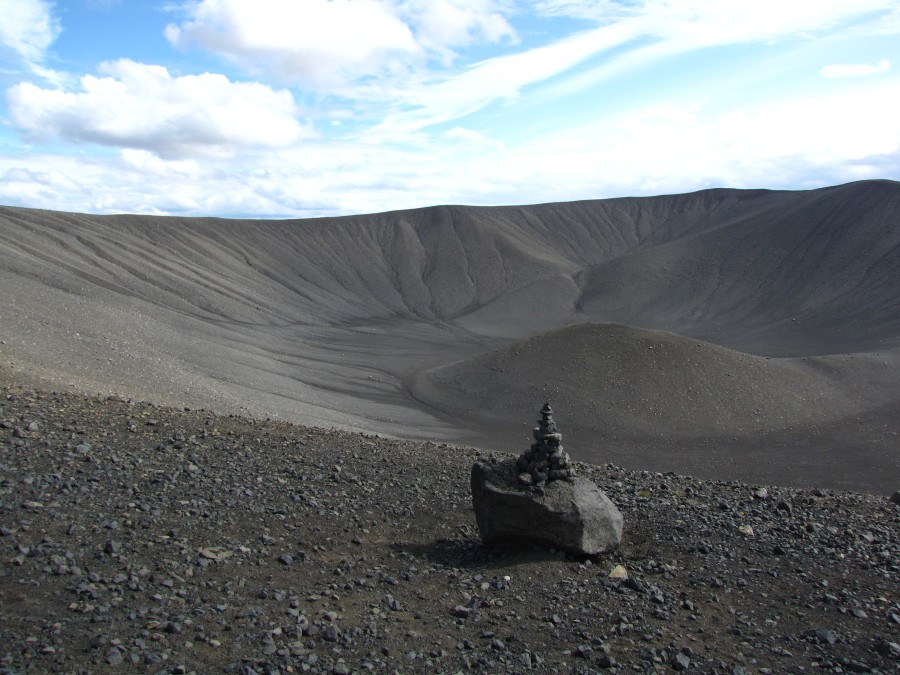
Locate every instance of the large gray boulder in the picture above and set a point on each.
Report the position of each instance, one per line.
(573, 514)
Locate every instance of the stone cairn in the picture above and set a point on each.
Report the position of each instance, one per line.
(546, 459)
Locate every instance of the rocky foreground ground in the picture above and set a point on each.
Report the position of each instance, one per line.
(139, 538)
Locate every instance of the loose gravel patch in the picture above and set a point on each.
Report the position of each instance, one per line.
(140, 538)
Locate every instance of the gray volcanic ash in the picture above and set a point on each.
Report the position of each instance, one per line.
(335, 322)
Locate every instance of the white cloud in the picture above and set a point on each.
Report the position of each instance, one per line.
(500, 77)
(50, 179)
(146, 162)
(441, 24)
(674, 148)
(662, 148)
(712, 22)
(594, 10)
(331, 44)
(28, 28)
(662, 28)
(463, 134)
(716, 22)
(889, 24)
(325, 42)
(470, 137)
(141, 106)
(207, 145)
(855, 70)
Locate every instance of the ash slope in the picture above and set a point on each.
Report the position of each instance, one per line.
(626, 394)
(328, 321)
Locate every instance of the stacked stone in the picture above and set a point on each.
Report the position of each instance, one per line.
(546, 459)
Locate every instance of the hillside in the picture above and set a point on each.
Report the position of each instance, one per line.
(639, 398)
(333, 321)
(630, 381)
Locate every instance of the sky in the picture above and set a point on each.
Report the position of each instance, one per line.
(299, 108)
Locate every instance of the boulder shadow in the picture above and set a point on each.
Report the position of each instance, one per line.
(466, 553)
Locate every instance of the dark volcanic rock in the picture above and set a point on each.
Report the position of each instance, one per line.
(545, 459)
(573, 514)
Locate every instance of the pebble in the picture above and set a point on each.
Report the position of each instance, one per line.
(114, 656)
(823, 635)
(618, 572)
(584, 651)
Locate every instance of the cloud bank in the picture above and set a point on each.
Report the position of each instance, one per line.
(856, 70)
(321, 107)
(28, 28)
(134, 105)
(327, 43)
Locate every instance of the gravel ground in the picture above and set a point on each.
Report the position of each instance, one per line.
(141, 538)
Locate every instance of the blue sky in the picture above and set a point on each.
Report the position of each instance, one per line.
(292, 108)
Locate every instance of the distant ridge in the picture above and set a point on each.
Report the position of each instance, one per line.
(765, 271)
(332, 321)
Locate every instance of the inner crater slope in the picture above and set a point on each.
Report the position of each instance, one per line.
(353, 322)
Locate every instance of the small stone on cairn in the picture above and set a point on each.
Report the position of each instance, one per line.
(546, 459)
